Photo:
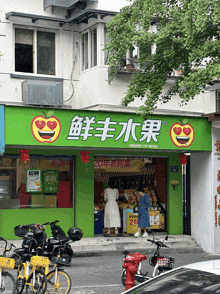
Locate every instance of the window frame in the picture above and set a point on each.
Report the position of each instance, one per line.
(92, 60)
(217, 100)
(35, 30)
(15, 169)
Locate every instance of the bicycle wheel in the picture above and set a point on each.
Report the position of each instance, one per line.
(21, 280)
(8, 283)
(62, 283)
(38, 284)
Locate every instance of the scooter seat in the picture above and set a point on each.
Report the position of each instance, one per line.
(54, 242)
(59, 241)
(46, 253)
(27, 255)
(63, 240)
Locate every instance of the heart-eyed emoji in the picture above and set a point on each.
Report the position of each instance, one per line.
(47, 128)
(182, 134)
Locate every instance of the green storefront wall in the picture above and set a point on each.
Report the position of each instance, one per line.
(20, 135)
(84, 197)
(84, 200)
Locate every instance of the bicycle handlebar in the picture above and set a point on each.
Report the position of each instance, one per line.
(6, 244)
(51, 223)
(158, 243)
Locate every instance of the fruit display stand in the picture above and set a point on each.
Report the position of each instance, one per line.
(129, 217)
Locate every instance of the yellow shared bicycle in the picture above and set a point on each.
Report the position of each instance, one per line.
(7, 281)
(58, 281)
(31, 273)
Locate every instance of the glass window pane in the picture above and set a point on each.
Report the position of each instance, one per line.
(85, 51)
(23, 50)
(94, 47)
(46, 53)
(218, 106)
(106, 53)
(55, 181)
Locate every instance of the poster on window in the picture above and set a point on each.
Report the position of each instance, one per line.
(34, 183)
(50, 181)
(154, 218)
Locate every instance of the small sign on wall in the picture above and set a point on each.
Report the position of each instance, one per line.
(174, 169)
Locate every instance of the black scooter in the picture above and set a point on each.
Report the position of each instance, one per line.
(36, 238)
(33, 235)
(59, 243)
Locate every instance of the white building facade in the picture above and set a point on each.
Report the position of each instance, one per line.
(52, 56)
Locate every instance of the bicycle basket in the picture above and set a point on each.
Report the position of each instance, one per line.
(153, 260)
(166, 263)
(63, 260)
(40, 261)
(8, 263)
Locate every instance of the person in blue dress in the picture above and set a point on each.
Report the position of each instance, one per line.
(143, 215)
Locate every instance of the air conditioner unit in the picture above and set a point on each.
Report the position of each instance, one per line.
(44, 93)
(63, 3)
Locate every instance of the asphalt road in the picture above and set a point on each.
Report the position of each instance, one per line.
(101, 274)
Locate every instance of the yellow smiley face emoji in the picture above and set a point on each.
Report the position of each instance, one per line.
(46, 129)
(182, 134)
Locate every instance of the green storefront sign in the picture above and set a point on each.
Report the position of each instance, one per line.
(76, 128)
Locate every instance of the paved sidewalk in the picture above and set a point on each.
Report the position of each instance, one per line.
(101, 245)
(104, 245)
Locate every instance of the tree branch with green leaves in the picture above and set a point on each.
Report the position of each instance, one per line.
(187, 38)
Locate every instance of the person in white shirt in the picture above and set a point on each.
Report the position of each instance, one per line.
(111, 215)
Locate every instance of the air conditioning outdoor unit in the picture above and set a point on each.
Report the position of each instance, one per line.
(44, 93)
(63, 3)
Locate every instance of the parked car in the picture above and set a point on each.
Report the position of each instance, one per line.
(201, 277)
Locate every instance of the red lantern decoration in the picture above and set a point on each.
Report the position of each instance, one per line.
(183, 158)
(85, 157)
(24, 155)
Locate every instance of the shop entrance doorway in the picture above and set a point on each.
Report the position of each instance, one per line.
(128, 174)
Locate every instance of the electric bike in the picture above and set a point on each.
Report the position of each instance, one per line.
(158, 261)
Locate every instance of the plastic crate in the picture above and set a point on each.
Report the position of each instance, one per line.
(8, 263)
(166, 263)
(40, 261)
